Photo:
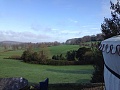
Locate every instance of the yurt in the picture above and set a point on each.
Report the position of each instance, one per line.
(111, 53)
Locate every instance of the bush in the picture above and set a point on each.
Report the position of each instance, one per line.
(98, 67)
(58, 62)
(29, 56)
(88, 57)
(71, 55)
(63, 62)
(82, 56)
(81, 52)
(58, 57)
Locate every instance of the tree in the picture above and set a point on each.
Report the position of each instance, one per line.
(35, 56)
(44, 50)
(27, 56)
(5, 47)
(15, 47)
(71, 55)
(111, 26)
(54, 57)
(81, 52)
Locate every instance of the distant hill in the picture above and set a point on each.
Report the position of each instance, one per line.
(10, 43)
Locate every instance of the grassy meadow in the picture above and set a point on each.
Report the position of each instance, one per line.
(36, 73)
(57, 50)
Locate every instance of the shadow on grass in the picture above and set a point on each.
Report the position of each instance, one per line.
(65, 86)
(75, 86)
(71, 71)
(83, 81)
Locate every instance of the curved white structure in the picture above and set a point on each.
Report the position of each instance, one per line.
(111, 54)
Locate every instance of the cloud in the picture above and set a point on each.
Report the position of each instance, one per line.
(42, 36)
(46, 35)
(40, 28)
(73, 21)
(62, 33)
(67, 34)
(23, 36)
(92, 31)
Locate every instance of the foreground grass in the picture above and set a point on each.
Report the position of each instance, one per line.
(36, 73)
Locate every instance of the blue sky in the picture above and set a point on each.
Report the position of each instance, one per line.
(51, 20)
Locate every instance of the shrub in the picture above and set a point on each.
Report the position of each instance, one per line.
(88, 57)
(71, 55)
(58, 57)
(27, 56)
(98, 67)
(81, 52)
(59, 62)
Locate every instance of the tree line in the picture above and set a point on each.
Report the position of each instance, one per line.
(77, 41)
(8, 46)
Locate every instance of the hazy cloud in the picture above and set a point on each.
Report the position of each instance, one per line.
(89, 32)
(23, 36)
(41, 28)
(47, 34)
(63, 34)
(73, 21)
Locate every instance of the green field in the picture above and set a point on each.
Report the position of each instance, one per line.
(53, 50)
(36, 73)
(62, 49)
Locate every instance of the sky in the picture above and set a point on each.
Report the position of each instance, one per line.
(51, 20)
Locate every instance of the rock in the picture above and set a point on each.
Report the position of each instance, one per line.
(13, 83)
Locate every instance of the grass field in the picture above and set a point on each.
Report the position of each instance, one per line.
(36, 73)
(61, 49)
(53, 50)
